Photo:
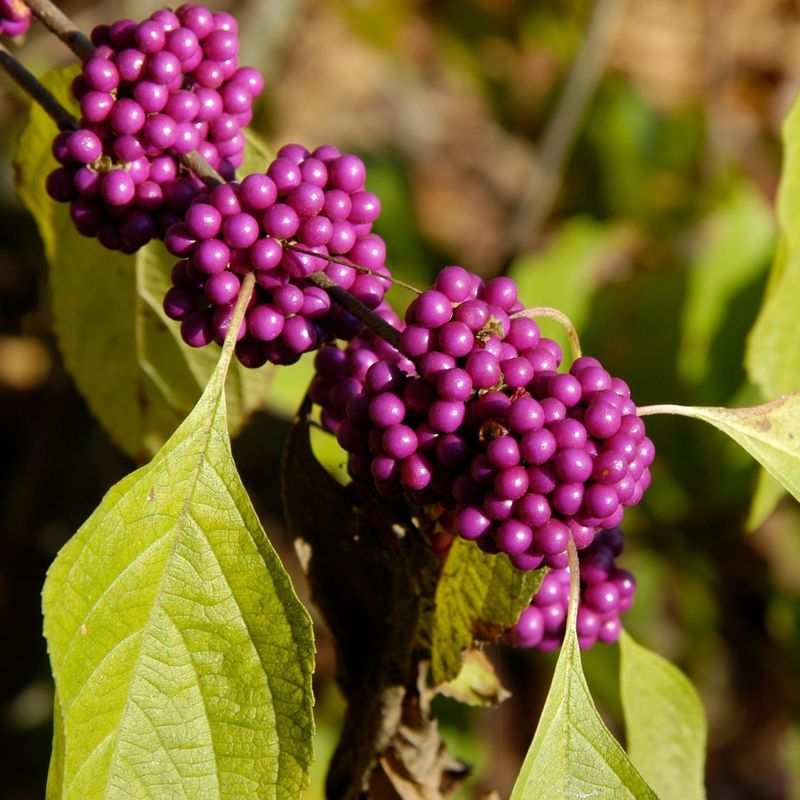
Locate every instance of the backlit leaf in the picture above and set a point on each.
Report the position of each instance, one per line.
(477, 597)
(181, 654)
(769, 432)
(573, 755)
(665, 723)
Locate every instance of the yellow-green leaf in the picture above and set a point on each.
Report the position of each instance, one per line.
(573, 754)
(477, 684)
(769, 432)
(55, 773)
(665, 723)
(477, 597)
(181, 655)
(773, 351)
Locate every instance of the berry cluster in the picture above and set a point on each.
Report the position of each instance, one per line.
(342, 370)
(15, 18)
(280, 225)
(525, 455)
(606, 592)
(149, 93)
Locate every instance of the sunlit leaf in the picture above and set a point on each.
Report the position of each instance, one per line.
(665, 723)
(769, 432)
(181, 654)
(573, 754)
(477, 597)
(773, 351)
(55, 773)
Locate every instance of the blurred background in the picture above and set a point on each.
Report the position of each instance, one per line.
(620, 160)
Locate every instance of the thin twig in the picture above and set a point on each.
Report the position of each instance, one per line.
(62, 26)
(239, 310)
(560, 134)
(29, 83)
(341, 296)
(292, 245)
(574, 582)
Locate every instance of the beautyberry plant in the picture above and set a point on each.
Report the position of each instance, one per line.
(486, 475)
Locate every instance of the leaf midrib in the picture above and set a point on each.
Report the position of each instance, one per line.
(179, 529)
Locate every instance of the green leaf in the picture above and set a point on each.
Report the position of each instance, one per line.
(126, 357)
(478, 596)
(766, 497)
(737, 241)
(664, 722)
(773, 349)
(769, 432)
(55, 773)
(773, 352)
(573, 754)
(181, 654)
(568, 272)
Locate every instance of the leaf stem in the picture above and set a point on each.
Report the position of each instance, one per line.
(561, 318)
(664, 408)
(53, 18)
(574, 583)
(28, 82)
(231, 336)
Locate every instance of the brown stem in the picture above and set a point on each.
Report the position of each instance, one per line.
(196, 164)
(62, 26)
(31, 85)
(358, 268)
(341, 296)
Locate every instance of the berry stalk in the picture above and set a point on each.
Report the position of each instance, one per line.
(239, 309)
(559, 316)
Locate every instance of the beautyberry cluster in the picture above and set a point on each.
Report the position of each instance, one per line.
(606, 592)
(280, 225)
(525, 455)
(149, 93)
(342, 369)
(15, 18)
